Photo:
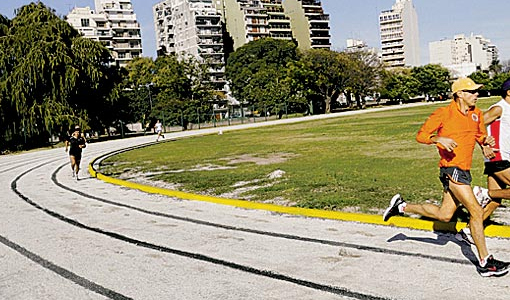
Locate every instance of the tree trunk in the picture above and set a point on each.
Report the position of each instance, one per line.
(328, 105)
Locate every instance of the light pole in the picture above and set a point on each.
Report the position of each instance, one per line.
(148, 85)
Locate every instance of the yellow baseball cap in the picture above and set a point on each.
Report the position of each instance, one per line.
(465, 84)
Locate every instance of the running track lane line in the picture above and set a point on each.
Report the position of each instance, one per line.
(266, 273)
(254, 231)
(502, 231)
(83, 282)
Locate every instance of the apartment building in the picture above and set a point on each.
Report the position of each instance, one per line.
(244, 20)
(206, 28)
(301, 20)
(92, 25)
(463, 55)
(309, 23)
(278, 23)
(114, 23)
(191, 27)
(400, 45)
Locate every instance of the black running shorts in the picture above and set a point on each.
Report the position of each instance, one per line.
(447, 174)
(492, 167)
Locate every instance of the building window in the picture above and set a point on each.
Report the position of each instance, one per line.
(85, 22)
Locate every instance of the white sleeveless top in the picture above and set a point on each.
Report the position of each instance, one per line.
(500, 130)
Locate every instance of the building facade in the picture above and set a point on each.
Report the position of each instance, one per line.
(113, 22)
(301, 20)
(463, 55)
(244, 20)
(278, 22)
(206, 29)
(191, 27)
(309, 23)
(400, 44)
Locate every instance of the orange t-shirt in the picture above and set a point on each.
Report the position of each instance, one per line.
(465, 130)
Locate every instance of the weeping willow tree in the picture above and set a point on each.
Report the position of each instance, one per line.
(50, 77)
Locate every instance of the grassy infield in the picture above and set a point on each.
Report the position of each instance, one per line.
(346, 163)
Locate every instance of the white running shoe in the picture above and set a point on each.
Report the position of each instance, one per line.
(482, 195)
(394, 207)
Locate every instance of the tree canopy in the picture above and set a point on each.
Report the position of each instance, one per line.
(257, 71)
(50, 76)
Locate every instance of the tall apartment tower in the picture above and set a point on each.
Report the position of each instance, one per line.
(191, 27)
(301, 20)
(245, 20)
(114, 23)
(400, 44)
(463, 55)
(278, 23)
(309, 23)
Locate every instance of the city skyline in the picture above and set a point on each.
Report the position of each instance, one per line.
(437, 19)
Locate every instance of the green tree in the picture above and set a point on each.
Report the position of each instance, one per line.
(137, 90)
(176, 90)
(481, 77)
(364, 74)
(330, 75)
(433, 80)
(398, 84)
(257, 72)
(495, 68)
(50, 76)
(497, 81)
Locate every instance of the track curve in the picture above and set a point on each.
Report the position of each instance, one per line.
(92, 240)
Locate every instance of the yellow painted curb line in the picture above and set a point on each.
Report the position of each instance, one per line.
(405, 222)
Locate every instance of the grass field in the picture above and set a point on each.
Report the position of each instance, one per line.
(353, 163)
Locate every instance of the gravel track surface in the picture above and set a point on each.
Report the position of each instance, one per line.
(87, 239)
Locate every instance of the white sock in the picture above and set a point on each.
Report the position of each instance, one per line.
(402, 207)
(483, 262)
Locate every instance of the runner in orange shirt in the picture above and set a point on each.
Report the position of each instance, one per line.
(455, 129)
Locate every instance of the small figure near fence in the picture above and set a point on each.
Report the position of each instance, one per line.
(159, 130)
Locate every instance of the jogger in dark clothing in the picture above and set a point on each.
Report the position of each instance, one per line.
(75, 143)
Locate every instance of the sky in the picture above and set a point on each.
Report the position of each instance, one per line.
(358, 19)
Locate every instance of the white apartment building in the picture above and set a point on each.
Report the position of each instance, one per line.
(400, 44)
(355, 45)
(92, 25)
(191, 27)
(114, 23)
(463, 55)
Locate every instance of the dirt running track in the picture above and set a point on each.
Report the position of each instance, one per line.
(62, 239)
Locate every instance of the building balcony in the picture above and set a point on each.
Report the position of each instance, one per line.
(392, 57)
(121, 17)
(281, 35)
(387, 22)
(318, 18)
(127, 37)
(385, 40)
(126, 47)
(399, 51)
(124, 26)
